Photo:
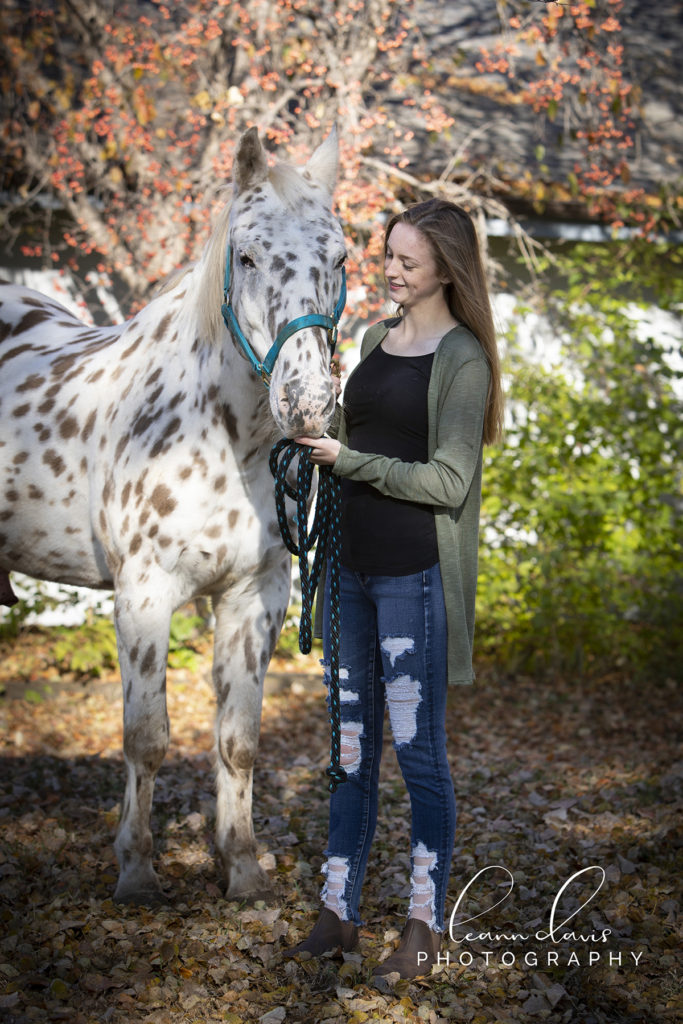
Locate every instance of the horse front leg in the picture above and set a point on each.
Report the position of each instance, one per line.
(142, 628)
(247, 628)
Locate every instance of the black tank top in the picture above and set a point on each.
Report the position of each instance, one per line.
(385, 403)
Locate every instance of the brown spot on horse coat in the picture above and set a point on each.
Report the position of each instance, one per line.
(147, 663)
(121, 447)
(162, 500)
(30, 320)
(162, 327)
(33, 381)
(144, 421)
(230, 421)
(63, 364)
(131, 348)
(69, 427)
(56, 463)
(15, 352)
(160, 444)
(89, 425)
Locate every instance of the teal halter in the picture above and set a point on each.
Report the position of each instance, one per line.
(265, 369)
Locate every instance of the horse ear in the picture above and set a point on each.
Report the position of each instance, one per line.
(324, 163)
(251, 165)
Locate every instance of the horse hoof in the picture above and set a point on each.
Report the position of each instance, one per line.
(142, 898)
(266, 895)
(260, 888)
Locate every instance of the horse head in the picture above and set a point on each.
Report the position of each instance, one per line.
(285, 283)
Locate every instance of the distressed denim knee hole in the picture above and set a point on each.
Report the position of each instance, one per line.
(404, 695)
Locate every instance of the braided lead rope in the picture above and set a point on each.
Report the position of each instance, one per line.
(326, 530)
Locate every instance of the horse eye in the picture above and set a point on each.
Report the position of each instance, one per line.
(340, 262)
(247, 261)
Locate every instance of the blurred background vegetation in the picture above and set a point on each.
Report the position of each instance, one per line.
(580, 555)
(117, 127)
(580, 560)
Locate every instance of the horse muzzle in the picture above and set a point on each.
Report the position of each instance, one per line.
(302, 409)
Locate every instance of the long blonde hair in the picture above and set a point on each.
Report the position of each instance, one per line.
(453, 238)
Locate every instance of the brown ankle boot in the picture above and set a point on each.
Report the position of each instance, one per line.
(329, 933)
(416, 954)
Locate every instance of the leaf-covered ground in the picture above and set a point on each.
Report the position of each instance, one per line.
(551, 778)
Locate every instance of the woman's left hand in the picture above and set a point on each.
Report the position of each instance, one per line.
(324, 450)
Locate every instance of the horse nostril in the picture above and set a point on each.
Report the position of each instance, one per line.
(291, 395)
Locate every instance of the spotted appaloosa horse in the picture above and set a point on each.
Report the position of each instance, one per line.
(135, 458)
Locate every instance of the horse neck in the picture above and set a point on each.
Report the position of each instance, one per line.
(219, 372)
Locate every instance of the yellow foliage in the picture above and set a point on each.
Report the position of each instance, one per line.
(63, 98)
(202, 100)
(109, 149)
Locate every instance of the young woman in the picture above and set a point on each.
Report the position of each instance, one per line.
(417, 410)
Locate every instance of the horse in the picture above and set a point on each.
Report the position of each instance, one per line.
(134, 458)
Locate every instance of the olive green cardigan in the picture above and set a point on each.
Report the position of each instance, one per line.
(450, 480)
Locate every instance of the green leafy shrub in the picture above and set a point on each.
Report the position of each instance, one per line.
(87, 650)
(288, 641)
(184, 632)
(581, 540)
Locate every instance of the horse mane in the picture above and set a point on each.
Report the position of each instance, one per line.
(293, 189)
(173, 279)
(211, 268)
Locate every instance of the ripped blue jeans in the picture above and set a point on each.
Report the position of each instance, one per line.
(392, 653)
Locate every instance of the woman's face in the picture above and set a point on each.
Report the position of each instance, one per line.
(410, 267)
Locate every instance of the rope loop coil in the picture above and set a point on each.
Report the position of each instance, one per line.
(325, 534)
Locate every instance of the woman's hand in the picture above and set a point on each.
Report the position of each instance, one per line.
(324, 450)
